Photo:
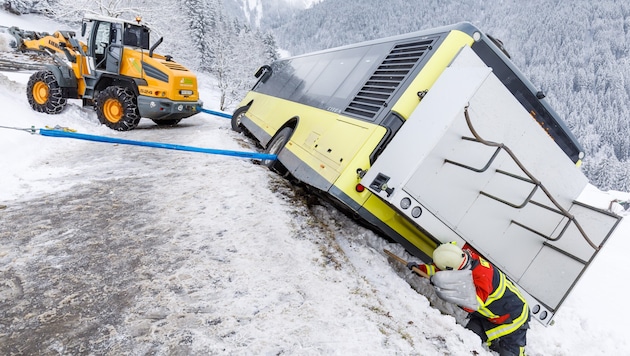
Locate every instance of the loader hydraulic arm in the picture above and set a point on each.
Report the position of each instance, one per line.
(60, 41)
(71, 57)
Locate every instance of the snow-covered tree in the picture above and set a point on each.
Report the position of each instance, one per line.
(200, 17)
(19, 7)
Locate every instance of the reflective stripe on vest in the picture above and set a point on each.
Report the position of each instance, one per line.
(506, 329)
(497, 294)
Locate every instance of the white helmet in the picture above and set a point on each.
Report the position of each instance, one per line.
(449, 256)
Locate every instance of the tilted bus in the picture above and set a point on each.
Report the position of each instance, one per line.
(436, 136)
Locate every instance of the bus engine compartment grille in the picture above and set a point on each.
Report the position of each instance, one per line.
(387, 77)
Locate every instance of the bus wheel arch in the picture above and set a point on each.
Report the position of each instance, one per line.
(237, 126)
(275, 146)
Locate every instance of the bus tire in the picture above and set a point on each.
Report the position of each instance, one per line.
(275, 146)
(236, 118)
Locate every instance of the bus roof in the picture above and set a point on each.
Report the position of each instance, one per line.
(465, 27)
(478, 36)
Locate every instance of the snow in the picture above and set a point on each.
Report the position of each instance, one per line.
(253, 9)
(116, 249)
(305, 4)
(30, 22)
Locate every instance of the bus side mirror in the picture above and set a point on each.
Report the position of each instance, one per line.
(83, 27)
(263, 73)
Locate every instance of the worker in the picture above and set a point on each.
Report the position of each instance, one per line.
(498, 313)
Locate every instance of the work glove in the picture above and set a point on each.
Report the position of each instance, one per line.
(411, 265)
(456, 287)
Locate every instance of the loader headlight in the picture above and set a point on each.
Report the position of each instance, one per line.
(186, 92)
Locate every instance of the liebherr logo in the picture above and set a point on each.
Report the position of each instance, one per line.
(54, 44)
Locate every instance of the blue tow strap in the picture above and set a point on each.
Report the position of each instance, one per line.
(68, 134)
(215, 113)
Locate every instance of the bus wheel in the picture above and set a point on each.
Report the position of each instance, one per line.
(275, 146)
(236, 118)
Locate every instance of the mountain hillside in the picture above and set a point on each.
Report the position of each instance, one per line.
(266, 13)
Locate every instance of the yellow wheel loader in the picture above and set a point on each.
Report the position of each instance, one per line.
(116, 72)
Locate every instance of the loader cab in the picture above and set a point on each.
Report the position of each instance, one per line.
(108, 36)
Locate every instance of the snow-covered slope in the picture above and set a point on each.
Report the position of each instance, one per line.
(116, 249)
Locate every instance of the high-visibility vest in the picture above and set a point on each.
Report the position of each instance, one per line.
(499, 299)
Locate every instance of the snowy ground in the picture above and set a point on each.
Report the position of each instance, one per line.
(115, 249)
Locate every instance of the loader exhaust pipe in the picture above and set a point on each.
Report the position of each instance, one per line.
(155, 46)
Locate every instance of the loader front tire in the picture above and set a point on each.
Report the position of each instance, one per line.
(44, 94)
(116, 108)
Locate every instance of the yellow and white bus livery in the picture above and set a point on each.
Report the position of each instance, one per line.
(436, 136)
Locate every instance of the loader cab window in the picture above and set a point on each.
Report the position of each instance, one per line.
(136, 36)
(99, 41)
(101, 38)
(105, 43)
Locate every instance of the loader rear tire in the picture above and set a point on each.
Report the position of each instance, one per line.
(44, 94)
(116, 108)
